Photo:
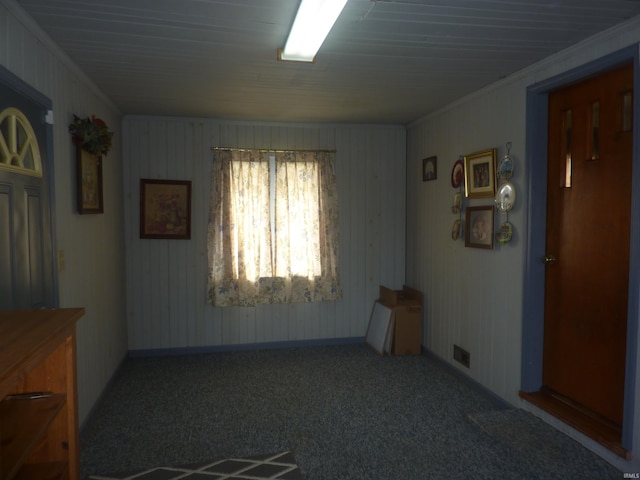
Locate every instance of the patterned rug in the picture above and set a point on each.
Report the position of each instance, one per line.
(280, 466)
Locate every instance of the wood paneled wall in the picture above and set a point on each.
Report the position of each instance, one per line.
(166, 279)
(93, 274)
(474, 297)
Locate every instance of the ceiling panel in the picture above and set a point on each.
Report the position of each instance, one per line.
(385, 61)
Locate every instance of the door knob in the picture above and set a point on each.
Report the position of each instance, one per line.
(549, 259)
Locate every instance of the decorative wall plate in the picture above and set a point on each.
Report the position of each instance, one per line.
(506, 197)
(457, 174)
(505, 233)
(457, 203)
(456, 230)
(505, 168)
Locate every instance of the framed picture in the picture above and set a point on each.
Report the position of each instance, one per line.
(479, 227)
(480, 174)
(165, 209)
(429, 168)
(88, 182)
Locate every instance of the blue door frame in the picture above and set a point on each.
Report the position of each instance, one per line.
(533, 298)
(21, 88)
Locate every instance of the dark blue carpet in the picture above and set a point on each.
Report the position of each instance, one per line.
(344, 412)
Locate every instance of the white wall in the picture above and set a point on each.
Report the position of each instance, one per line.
(92, 244)
(473, 296)
(166, 279)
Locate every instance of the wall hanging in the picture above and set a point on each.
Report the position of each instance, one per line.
(505, 196)
(165, 209)
(457, 179)
(479, 227)
(457, 173)
(479, 174)
(429, 168)
(92, 139)
(88, 182)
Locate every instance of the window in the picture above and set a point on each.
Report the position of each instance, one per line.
(273, 228)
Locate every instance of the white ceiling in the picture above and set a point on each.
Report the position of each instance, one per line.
(385, 61)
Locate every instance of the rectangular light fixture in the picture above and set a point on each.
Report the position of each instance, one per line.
(314, 20)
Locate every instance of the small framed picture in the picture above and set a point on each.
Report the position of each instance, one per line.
(480, 174)
(429, 168)
(478, 231)
(88, 182)
(165, 209)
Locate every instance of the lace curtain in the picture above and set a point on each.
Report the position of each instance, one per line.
(273, 228)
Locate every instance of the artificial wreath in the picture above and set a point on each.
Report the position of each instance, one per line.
(92, 134)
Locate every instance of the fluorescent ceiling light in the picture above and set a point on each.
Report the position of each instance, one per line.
(314, 20)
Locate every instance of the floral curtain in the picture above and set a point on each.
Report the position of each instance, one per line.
(239, 247)
(306, 213)
(273, 232)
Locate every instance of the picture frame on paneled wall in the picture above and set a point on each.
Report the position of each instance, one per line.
(88, 182)
(479, 227)
(165, 209)
(429, 168)
(480, 174)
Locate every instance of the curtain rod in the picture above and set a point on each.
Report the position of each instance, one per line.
(271, 150)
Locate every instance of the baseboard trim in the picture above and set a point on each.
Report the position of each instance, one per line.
(323, 342)
(501, 403)
(98, 402)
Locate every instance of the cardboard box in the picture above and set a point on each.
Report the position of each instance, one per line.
(406, 305)
(406, 296)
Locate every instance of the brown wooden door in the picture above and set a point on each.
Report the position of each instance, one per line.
(588, 228)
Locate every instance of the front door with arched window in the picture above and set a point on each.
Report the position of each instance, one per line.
(26, 241)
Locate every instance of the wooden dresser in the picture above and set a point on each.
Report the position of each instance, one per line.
(38, 394)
